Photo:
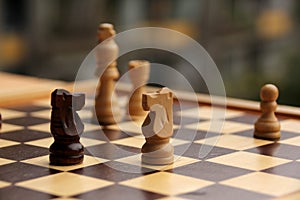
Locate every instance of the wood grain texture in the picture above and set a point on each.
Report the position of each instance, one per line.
(19, 89)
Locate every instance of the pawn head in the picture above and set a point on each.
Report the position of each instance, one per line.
(105, 31)
(269, 92)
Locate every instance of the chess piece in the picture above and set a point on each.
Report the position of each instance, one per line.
(106, 104)
(139, 71)
(267, 126)
(158, 128)
(66, 128)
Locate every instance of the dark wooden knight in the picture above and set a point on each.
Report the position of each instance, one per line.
(66, 127)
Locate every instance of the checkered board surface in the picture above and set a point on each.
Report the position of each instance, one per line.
(237, 165)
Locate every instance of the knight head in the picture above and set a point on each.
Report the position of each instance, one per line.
(161, 97)
(61, 97)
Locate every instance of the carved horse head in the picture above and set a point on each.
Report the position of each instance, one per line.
(64, 119)
(159, 121)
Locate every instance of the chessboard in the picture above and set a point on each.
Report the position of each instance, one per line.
(237, 165)
(22, 89)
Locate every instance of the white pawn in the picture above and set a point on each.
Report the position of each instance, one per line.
(267, 126)
(139, 74)
(106, 104)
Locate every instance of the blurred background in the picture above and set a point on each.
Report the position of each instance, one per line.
(251, 41)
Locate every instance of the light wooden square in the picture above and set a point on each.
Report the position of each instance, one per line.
(89, 102)
(85, 114)
(91, 127)
(7, 143)
(292, 141)
(4, 184)
(293, 196)
(9, 127)
(234, 142)
(136, 142)
(64, 184)
(9, 114)
(291, 125)
(46, 142)
(46, 114)
(129, 126)
(4, 161)
(248, 160)
(205, 112)
(225, 127)
(179, 161)
(45, 127)
(265, 183)
(43, 161)
(167, 183)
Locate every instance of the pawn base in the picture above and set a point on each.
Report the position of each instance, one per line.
(108, 120)
(59, 160)
(66, 151)
(157, 161)
(267, 136)
(157, 154)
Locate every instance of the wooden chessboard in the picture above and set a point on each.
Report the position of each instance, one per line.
(238, 166)
(17, 89)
